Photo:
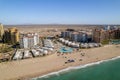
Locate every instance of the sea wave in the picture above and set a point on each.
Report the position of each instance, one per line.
(75, 67)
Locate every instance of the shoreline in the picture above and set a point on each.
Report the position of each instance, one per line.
(37, 67)
(76, 67)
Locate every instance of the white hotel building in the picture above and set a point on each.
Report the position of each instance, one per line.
(74, 36)
(29, 40)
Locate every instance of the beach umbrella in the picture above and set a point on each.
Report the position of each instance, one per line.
(60, 39)
(95, 44)
(77, 45)
(89, 45)
(69, 43)
(45, 51)
(73, 44)
(66, 41)
(41, 50)
(86, 45)
(63, 41)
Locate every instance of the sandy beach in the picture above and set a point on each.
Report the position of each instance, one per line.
(28, 68)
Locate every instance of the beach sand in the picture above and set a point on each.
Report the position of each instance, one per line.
(28, 68)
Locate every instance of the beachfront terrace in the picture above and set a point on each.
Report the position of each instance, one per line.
(79, 45)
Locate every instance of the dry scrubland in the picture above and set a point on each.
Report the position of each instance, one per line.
(48, 29)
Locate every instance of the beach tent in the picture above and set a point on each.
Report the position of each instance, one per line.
(69, 43)
(66, 41)
(76, 45)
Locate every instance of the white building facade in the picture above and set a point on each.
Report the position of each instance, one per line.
(29, 40)
(75, 36)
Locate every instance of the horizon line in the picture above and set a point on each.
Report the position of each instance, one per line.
(58, 24)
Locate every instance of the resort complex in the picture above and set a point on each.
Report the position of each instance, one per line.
(24, 45)
(55, 47)
(59, 39)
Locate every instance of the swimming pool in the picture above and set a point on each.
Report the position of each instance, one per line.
(65, 50)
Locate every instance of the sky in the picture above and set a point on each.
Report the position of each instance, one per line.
(60, 11)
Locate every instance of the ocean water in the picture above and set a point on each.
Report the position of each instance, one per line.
(103, 70)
